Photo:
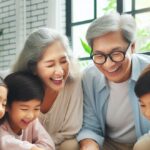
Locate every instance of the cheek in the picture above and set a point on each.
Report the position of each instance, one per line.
(37, 114)
(126, 63)
(44, 72)
(17, 114)
(2, 108)
(41, 69)
(142, 110)
(66, 68)
(2, 112)
(99, 67)
(43, 75)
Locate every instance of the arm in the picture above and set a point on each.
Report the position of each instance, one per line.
(36, 148)
(93, 126)
(41, 138)
(10, 142)
(88, 144)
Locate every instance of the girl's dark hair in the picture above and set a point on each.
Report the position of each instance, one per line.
(23, 86)
(142, 86)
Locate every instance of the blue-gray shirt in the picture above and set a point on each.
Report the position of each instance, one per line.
(96, 94)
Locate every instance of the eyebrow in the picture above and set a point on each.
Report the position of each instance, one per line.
(24, 105)
(63, 57)
(116, 48)
(47, 61)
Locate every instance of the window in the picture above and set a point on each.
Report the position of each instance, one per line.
(140, 9)
(80, 14)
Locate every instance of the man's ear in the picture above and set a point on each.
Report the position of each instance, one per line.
(133, 47)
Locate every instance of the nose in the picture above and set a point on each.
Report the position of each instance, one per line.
(59, 70)
(147, 113)
(109, 63)
(30, 115)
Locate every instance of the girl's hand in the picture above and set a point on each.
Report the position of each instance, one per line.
(88, 144)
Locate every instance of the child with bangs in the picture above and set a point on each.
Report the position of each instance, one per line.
(21, 130)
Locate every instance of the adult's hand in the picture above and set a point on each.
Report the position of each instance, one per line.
(89, 144)
(36, 148)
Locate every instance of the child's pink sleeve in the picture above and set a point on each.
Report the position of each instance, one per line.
(8, 141)
(33, 135)
(41, 138)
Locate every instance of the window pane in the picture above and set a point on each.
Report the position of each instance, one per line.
(79, 32)
(142, 4)
(101, 4)
(143, 31)
(82, 10)
(127, 5)
(105, 6)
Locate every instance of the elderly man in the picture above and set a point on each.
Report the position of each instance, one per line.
(112, 118)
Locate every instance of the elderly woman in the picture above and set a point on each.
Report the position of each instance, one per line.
(46, 54)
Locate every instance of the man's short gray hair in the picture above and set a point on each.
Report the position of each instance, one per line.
(111, 23)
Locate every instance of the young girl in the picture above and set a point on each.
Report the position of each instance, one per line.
(21, 129)
(3, 97)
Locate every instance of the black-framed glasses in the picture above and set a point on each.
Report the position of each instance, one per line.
(115, 56)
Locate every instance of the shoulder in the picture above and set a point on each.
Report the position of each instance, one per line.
(4, 126)
(93, 77)
(5, 129)
(71, 83)
(139, 62)
(140, 58)
(92, 72)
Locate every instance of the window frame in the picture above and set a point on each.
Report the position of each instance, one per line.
(119, 8)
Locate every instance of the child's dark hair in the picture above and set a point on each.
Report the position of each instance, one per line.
(23, 86)
(142, 86)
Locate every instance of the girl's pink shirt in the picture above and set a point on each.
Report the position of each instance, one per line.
(33, 135)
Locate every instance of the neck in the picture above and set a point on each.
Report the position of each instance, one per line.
(49, 99)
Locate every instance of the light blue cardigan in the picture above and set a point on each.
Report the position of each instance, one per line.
(96, 93)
